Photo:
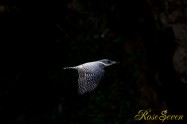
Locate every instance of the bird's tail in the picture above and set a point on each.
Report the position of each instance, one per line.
(70, 68)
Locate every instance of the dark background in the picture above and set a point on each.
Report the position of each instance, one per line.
(38, 39)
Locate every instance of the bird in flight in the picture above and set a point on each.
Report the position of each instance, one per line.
(90, 74)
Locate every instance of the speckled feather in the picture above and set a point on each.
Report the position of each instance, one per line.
(89, 77)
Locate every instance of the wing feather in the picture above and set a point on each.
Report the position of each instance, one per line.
(88, 80)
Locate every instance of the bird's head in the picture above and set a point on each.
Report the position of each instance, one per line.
(107, 62)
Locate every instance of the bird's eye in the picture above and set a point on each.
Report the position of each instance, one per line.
(107, 61)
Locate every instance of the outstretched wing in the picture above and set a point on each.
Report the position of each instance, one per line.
(88, 80)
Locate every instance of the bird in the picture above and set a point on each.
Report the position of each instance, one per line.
(90, 74)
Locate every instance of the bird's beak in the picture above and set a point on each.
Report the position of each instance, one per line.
(115, 62)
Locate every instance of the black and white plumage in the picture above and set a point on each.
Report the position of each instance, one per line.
(90, 74)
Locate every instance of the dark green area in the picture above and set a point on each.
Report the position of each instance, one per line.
(39, 39)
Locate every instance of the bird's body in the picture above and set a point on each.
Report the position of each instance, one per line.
(90, 74)
(91, 65)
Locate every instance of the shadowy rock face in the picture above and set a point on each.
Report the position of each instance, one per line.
(180, 56)
(174, 15)
(180, 62)
(177, 18)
